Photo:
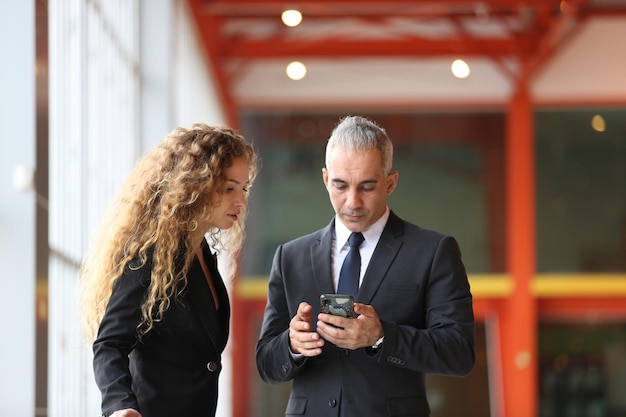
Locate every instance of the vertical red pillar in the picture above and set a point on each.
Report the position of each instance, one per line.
(518, 316)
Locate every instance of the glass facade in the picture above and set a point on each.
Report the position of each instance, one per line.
(582, 369)
(581, 230)
(581, 190)
(451, 180)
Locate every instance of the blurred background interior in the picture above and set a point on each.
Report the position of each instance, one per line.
(509, 123)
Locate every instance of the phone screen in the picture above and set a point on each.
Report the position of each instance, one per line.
(337, 304)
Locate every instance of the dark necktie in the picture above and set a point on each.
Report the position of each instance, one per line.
(351, 268)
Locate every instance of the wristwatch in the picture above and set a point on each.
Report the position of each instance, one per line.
(378, 344)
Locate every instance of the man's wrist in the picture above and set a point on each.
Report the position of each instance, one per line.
(378, 344)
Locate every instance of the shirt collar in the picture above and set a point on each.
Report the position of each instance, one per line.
(371, 234)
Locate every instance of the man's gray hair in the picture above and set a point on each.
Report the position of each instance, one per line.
(361, 134)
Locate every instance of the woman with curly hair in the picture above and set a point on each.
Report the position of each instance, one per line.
(155, 304)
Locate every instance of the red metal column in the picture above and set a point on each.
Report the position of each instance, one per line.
(208, 27)
(518, 316)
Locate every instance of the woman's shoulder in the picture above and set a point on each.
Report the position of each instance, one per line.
(138, 269)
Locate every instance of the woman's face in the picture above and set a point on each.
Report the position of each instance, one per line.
(233, 197)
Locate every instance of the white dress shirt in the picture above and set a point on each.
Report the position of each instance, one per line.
(340, 248)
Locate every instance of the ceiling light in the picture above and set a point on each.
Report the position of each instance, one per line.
(460, 69)
(291, 18)
(296, 70)
(598, 124)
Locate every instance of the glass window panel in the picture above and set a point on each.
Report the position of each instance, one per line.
(582, 369)
(581, 190)
(451, 180)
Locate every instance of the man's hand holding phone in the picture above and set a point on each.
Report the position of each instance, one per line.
(347, 332)
(302, 340)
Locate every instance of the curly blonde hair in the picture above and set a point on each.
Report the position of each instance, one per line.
(158, 209)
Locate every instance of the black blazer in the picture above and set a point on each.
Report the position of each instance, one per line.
(173, 371)
(417, 283)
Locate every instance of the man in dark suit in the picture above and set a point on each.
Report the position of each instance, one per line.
(412, 297)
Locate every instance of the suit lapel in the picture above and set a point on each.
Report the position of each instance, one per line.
(386, 251)
(202, 299)
(320, 259)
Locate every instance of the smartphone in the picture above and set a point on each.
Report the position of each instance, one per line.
(337, 304)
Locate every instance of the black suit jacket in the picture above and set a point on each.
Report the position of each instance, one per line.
(173, 371)
(417, 283)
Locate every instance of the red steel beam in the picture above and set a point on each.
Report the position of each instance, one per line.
(337, 48)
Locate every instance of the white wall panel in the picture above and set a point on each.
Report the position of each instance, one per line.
(17, 208)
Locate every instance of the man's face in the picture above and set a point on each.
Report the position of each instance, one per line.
(357, 186)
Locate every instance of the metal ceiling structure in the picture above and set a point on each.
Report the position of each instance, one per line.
(238, 33)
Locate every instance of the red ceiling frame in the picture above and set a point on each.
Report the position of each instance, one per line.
(529, 31)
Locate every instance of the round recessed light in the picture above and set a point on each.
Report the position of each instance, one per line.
(296, 70)
(460, 69)
(291, 18)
